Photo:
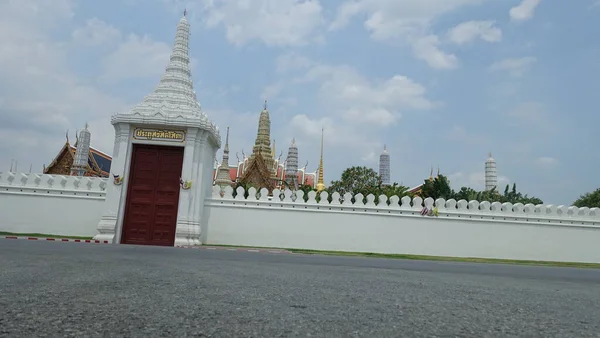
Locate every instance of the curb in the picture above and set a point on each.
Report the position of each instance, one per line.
(205, 247)
(57, 239)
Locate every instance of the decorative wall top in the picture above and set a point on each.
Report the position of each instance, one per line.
(443, 208)
(45, 183)
(173, 101)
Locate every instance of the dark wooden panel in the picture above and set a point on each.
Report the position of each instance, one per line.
(152, 195)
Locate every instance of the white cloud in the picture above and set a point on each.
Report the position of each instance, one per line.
(523, 11)
(426, 48)
(408, 20)
(468, 31)
(96, 32)
(352, 109)
(292, 61)
(137, 57)
(41, 95)
(515, 67)
(273, 22)
(354, 98)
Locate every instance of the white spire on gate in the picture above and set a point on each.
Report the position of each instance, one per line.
(174, 99)
(175, 92)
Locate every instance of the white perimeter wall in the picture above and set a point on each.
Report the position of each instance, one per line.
(50, 204)
(462, 229)
(72, 206)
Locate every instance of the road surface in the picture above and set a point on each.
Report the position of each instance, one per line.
(52, 289)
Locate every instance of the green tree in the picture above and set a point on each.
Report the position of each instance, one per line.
(466, 193)
(363, 180)
(513, 196)
(590, 200)
(357, 180)
(394, 189)
(438, 187)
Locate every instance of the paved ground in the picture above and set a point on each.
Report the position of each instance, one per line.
(53, 289)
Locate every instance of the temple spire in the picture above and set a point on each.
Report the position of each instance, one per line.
(262, 145)
(175, 92)
(80, 161)
(291, 166)
(223, 178)
(321, 181)
(491, 174)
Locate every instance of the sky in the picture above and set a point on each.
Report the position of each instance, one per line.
(442, 83)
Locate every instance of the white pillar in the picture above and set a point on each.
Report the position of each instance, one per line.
(107, 227)
(184, 231)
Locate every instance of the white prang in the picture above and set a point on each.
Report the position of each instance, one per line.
(491, 176)
(173, 101)
(384, 166)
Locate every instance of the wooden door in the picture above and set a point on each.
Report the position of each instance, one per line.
(152, 195)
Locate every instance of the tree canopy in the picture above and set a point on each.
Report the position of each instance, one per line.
(590, 200)
(438, 187)
(365, 181)
(357, 180)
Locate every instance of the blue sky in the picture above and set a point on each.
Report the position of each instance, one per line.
(441, 82)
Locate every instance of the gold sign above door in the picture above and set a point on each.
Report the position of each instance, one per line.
(148, 134)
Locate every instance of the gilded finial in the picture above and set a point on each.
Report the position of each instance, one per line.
(265, 107)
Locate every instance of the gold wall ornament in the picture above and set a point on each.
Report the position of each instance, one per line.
(153, 134)
(185, 185)
(117, 179)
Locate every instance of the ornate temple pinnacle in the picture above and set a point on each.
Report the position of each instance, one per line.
(175, 92)
(321, 181)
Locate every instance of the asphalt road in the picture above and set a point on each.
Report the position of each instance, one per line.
(50, 289)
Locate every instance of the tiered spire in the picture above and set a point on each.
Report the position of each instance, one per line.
(321, 181)
(491, 175)
(291, 166)
(262, 145)
(223, 178)
(384, 166)
(175, 92)
(80, 162)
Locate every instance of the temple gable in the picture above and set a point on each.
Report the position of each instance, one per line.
(258, 175)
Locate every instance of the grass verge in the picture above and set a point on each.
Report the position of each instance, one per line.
(4, 233)
(433, 258)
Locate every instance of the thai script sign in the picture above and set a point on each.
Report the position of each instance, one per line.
(159, 135)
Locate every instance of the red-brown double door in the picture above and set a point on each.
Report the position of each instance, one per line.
(152, 195)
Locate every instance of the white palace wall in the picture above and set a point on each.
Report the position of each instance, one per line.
(461, 229)
(51, 204)
(72, 206)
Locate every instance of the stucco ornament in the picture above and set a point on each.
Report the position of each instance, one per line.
(185, 185)
(117, 179)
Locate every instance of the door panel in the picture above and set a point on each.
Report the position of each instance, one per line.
(153, 195)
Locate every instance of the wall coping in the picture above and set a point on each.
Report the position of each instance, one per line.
(46, 184)
(405, 207)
